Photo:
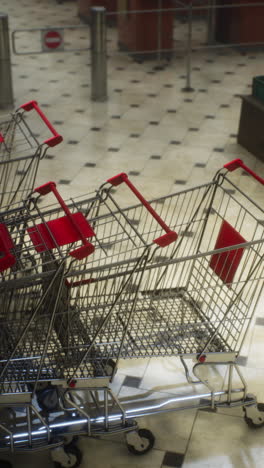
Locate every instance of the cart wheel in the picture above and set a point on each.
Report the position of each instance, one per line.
(73, 457)
(257, 420)
(5, 464)
(48, 398)
(142, 443)
(110, 367)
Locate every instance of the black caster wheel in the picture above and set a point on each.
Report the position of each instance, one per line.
(143, 442)
(257, 421)
(73, 457)
(48, 398)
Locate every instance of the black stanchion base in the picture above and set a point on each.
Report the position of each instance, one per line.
(188, 89)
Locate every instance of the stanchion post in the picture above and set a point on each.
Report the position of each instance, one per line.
(188, 87)
(6, 87)
(211, 17)
(98, 54)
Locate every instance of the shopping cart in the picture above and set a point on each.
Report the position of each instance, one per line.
(20, 153)
(195, 299)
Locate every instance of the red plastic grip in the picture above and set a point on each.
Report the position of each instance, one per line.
(56, 139)
(236, 163)
(170, 235)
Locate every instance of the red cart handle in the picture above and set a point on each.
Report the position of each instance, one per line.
(170, 235)
(87, 248)
(233, 165)
(56, 139)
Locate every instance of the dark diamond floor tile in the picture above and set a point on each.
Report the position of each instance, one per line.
(219, 150)
(134, 135)
(113, 150)
(64, 182)
(73, 142)
(187, 233)
(49, 156)
(188, 100)
(95, 129)
(202, 90)
(225, 105)
(134, 105)
(180, 182)
(115, 116)
(260, 321)
(199, 165)
(173, 459)
(152, 95)
(210, 116)
(175, 142)
(242, 360)
(171, 111)
(89, 164)
(155, 156)
(58, 122)
(193, 129)
(133, 173)
(153, 122)
(130, 381)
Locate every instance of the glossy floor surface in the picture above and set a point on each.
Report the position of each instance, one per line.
(166, 140)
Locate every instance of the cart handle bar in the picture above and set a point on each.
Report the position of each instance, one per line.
(233, 165)
(170, 235)
(87, 248)
(56, 139)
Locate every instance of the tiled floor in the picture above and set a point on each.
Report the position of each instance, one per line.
(166, 140)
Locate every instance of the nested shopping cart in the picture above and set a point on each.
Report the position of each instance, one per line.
(135, 292)
(21, 152)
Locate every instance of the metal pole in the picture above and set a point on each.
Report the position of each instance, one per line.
(211, 17)
(188, 87)
(6, 90)
(98, 54)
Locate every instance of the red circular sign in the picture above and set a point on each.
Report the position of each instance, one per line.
(52, 39)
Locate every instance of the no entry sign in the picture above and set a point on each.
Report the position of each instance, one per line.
(52, 40)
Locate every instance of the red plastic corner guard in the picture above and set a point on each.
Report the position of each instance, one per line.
(118, 179)
(166, 239)
(53, 141)
(28, 106)
(45, 188)
(233, 165)
(83, 251)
